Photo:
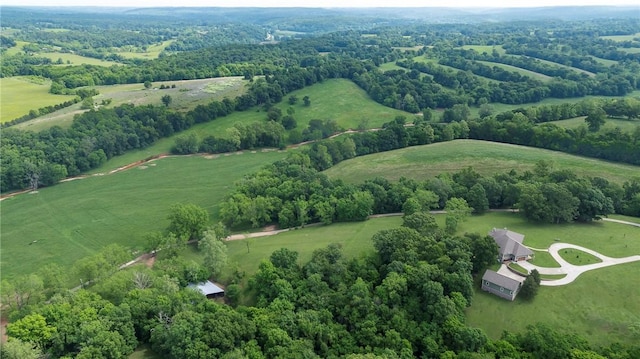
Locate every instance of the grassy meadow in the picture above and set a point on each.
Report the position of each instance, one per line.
(485, 48)
(21, 94)
(185, 96)
(151, 52)
(354, 237)
(336, 99)
(421, 162)
(610, 124)
(77, 218)
(73, 59)
(621, 38)
(521, 71)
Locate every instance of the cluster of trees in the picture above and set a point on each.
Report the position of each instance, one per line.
(404, 300)
(293, 192)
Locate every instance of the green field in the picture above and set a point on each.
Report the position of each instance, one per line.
(565, 66)
(152, 51)
(521, 71)
(422, 162)
(74, 59)
(20, 94)
(185, 96)
(435, 62)
(631, 50)
(354, 237)
(611, 123)
(405, 49)
(16, 49)
(77, 218)
(336, 99)
(501, 107)
(602, 316)
(597, 306)
(485, 48)
(388, 66)
(621, 37)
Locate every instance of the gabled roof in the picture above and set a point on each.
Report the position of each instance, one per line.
(501, 280)
(206, 288)
(510, 242)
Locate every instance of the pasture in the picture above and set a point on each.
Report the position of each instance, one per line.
(566, 66)
(602, 316)
(622, 38)
(610, 124)
(77, 218)
(435, 62)
(631, 50)
(597, 306)
(355, 238)
(421, 162)
(73, 59)
(485, 48)
(336, 99)
(21, 94)
(388, 66)
(521, 71)
(185, 96)
(151, 52)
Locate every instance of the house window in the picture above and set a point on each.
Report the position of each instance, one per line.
(501, 289)
(511, 292)
(486, 282)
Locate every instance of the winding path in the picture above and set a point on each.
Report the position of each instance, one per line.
(573, 271)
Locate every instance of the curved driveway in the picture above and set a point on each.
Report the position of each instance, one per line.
(573, 271)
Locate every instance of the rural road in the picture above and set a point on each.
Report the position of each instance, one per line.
(573, 271)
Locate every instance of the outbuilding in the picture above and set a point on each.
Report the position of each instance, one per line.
(500, 285)
(208, 288)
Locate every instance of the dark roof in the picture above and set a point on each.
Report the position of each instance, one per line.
(510, 242)
(501, 280)
(206, 288)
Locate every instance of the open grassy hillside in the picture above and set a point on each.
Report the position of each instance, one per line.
(21, 94)
(77, 218)
(485, 157)
(611, 123)
(186, 95)
(337, 99)
(73, 59)
(521, 71)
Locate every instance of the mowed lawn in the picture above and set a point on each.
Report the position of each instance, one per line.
(77, 218)
(422, 162)
(21, 94)
(600, 305)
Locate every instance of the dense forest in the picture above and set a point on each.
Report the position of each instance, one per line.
(405, 299)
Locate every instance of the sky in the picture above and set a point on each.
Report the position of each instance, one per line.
(320, 3)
